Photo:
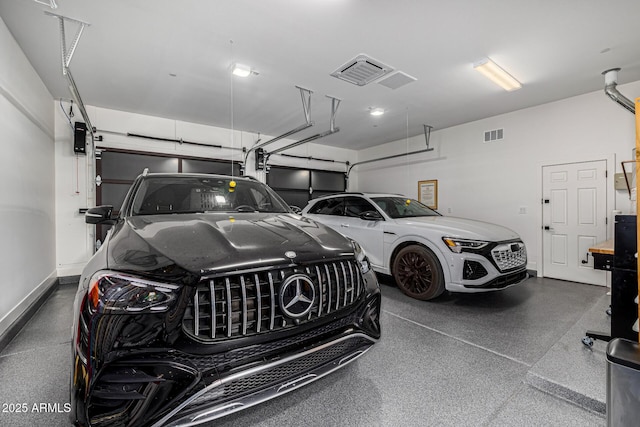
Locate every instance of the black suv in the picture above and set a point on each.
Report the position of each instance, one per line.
(208, 296)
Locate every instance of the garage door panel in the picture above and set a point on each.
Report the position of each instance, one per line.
(298, 186)
(208, 166)
(114, 194)
(127, 166)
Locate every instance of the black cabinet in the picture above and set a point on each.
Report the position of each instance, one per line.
(624, 279)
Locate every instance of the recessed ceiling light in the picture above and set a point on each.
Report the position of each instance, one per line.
(376, 111)
(493, 72)
(241, 70)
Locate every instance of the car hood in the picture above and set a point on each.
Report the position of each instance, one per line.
(460, 227)
(207, 243)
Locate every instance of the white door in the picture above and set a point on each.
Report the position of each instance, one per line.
(574, 215)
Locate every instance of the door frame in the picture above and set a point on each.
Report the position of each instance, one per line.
(610, 196)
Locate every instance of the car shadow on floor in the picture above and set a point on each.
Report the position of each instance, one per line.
(498, 299)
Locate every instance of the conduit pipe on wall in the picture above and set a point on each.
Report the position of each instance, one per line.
(318, 159)
(158, 138)
(610, 83)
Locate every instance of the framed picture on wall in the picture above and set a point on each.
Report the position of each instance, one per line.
(428, 193)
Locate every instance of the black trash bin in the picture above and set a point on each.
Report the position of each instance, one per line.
(623, 383)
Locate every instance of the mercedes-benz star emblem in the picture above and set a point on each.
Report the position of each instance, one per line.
(297, 296)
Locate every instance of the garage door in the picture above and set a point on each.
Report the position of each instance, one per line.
(298, 186)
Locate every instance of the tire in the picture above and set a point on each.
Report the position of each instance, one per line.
(417, 273)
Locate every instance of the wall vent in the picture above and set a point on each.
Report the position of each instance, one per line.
(361, 70)
(493, 135)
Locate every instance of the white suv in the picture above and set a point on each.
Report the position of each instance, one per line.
(424, 251)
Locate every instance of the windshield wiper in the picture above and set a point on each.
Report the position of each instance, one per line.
(245, 208)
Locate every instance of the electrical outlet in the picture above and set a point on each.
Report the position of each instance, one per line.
(523, 210)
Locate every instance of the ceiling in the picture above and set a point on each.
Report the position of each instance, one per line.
(172, 58)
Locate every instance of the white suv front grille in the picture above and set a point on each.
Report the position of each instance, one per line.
(510, 255)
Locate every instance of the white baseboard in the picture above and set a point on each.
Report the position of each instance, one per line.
(71, 270)
(11, 317)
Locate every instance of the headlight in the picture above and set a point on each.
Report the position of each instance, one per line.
(111, 292)
(463, 245)
(361, 257)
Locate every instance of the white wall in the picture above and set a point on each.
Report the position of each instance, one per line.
(27, 229)
(493, 181)
(74, 174)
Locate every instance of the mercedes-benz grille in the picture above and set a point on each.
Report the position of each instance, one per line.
(248, 303)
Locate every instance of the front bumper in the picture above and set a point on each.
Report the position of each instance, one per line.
(480, 272)
(276, 377)
(195, 383)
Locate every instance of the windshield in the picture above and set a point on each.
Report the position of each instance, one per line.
(401, 207)
(187, 194)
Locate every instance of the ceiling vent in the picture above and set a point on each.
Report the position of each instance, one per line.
(361, 70)
(396, 80)
(493, 135)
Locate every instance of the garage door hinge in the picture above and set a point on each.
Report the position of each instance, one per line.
(545, 201)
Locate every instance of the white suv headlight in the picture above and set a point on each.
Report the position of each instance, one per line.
(463, 245)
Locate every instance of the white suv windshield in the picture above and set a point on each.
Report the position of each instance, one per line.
(400, 207)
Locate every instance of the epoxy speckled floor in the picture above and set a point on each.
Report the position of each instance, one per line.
(462, 360)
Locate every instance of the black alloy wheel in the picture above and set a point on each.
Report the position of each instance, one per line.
(417, 273)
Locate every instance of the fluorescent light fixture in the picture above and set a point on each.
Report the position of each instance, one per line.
(376, 111)
(493, 72)
(241, 70)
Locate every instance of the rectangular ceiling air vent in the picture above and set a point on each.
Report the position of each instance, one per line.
(361, 70)
(396, 80)
(493, 135)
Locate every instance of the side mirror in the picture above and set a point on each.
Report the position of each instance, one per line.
(371, 216)
(296, 210)
(99, 215)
